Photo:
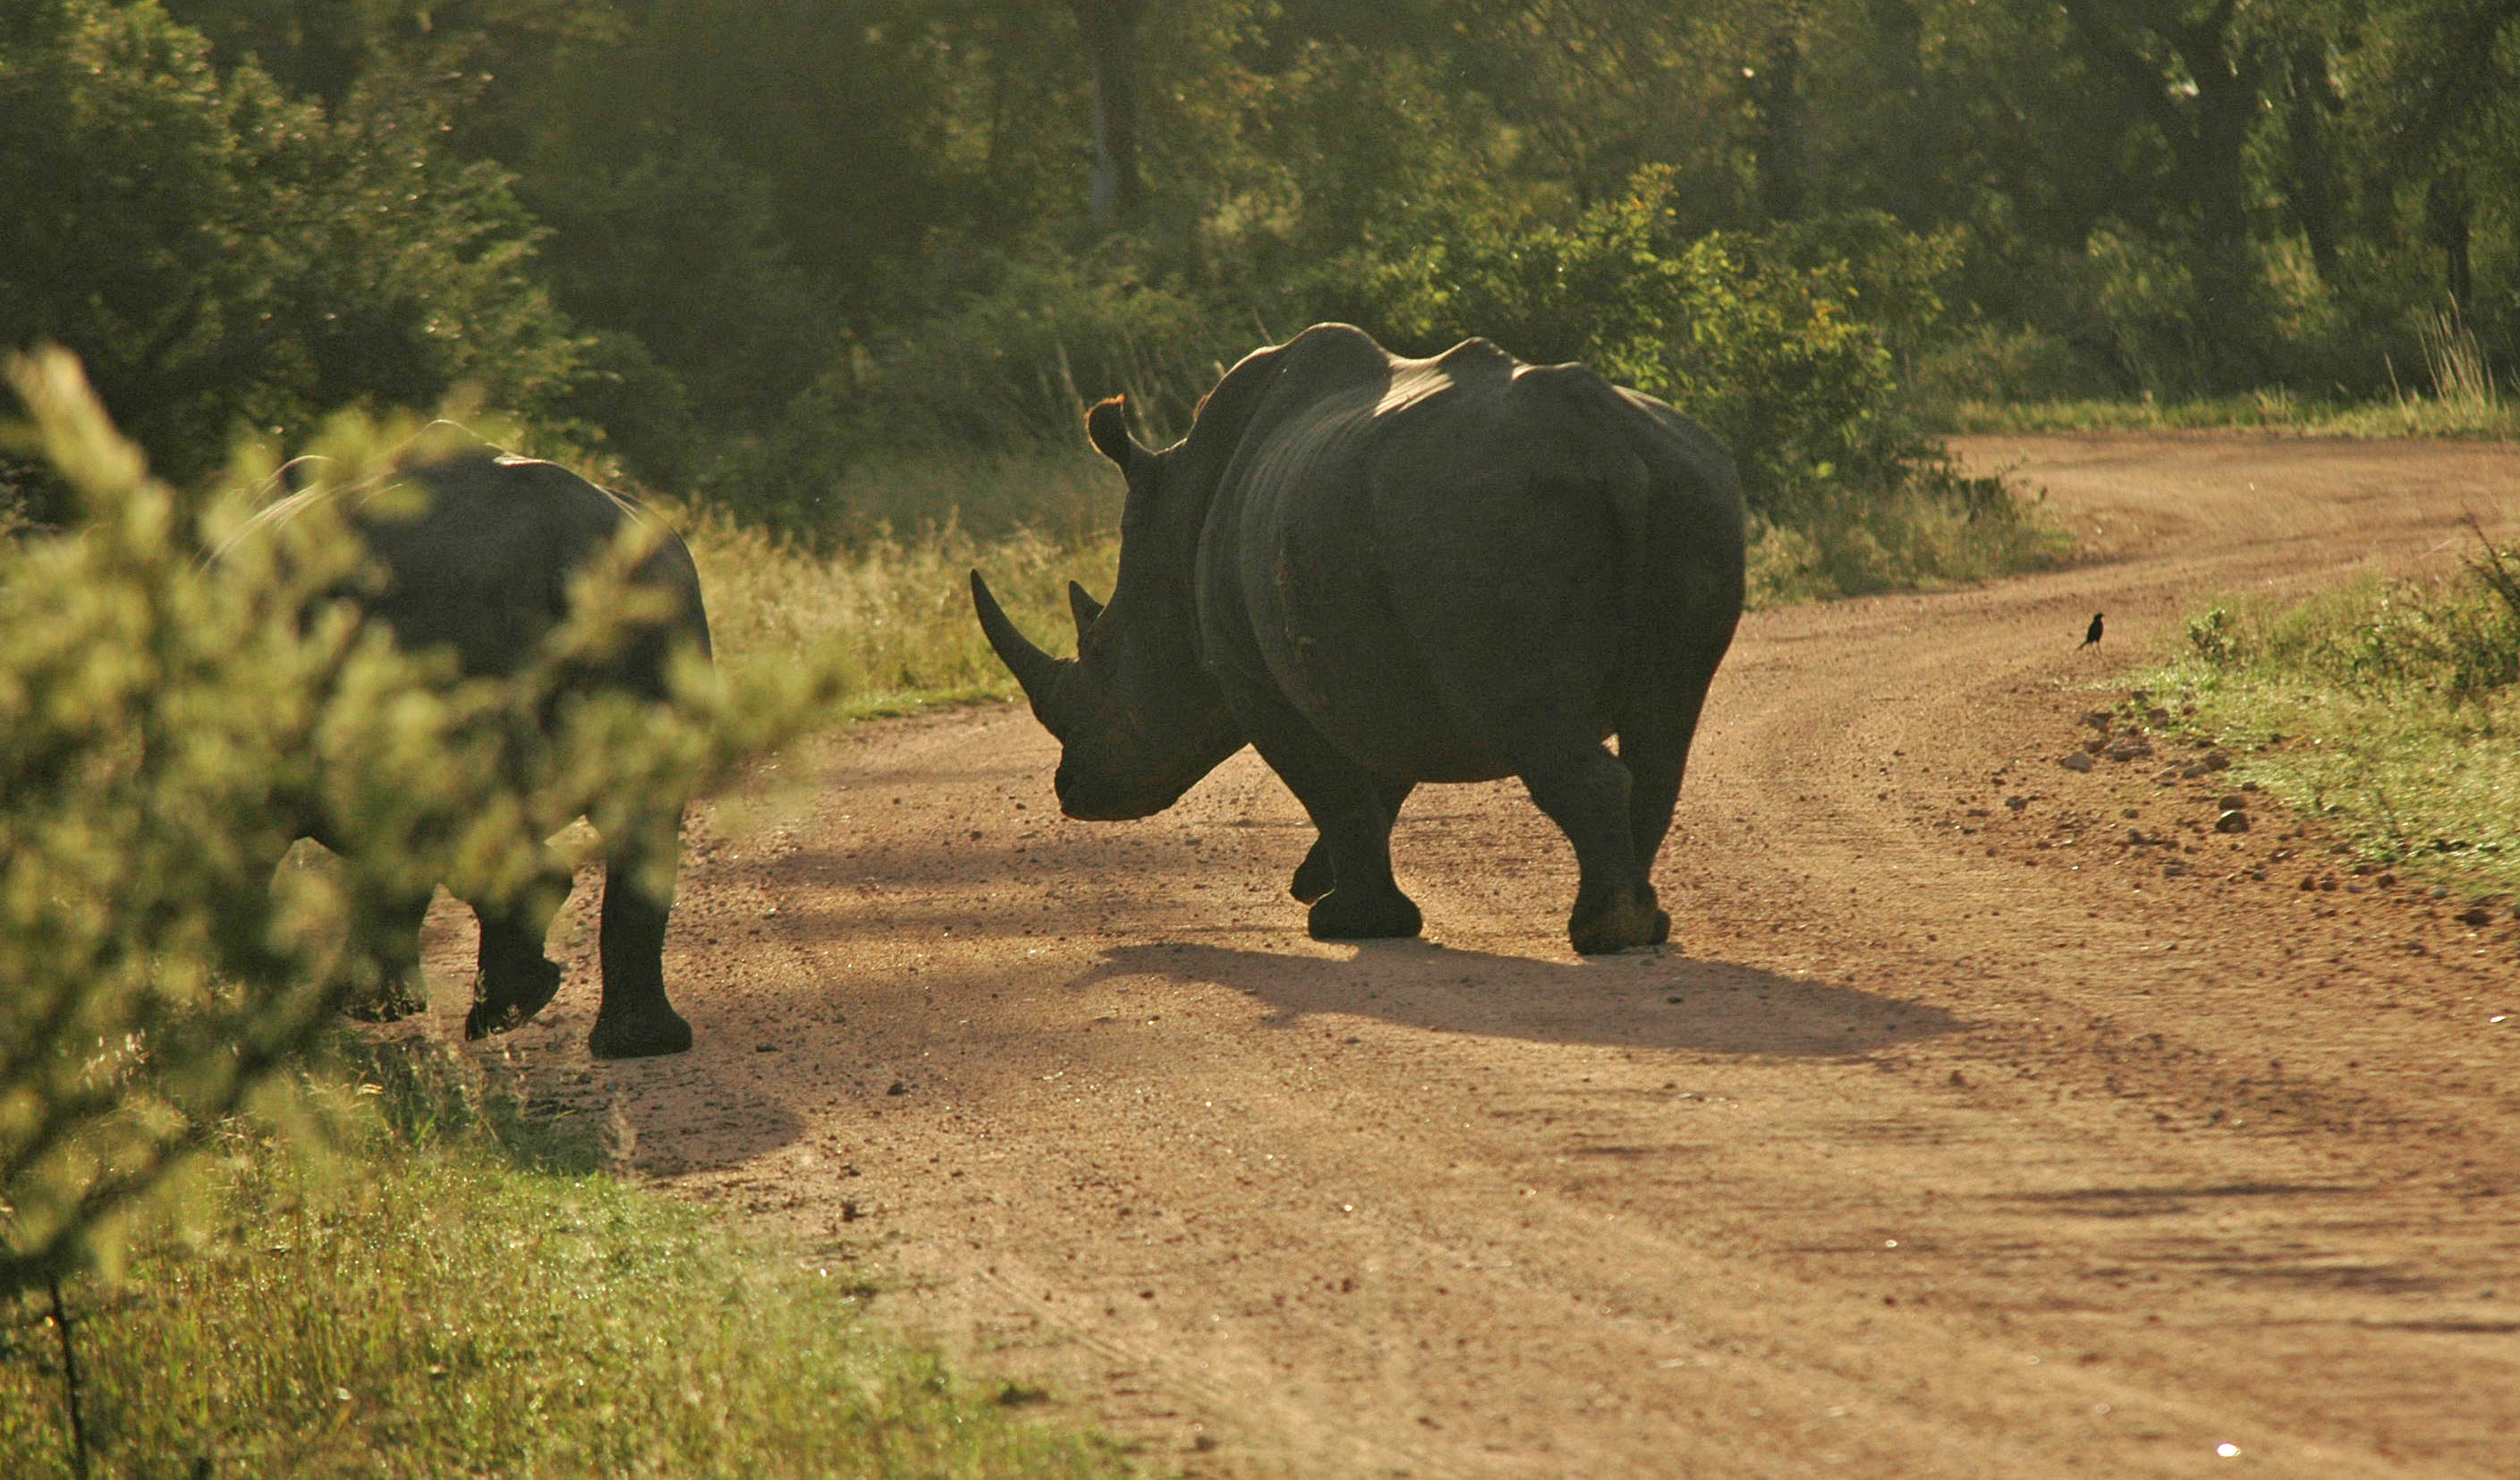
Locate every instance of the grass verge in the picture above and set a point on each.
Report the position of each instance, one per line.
(2387, 709)
(1943, 529)
(889, 584)
(455, 1288)
(2277, 410)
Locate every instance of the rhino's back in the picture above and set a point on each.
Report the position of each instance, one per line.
(1416, 551)
(485, 567)
(482, 562)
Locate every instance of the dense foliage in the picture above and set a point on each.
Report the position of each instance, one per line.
(743, 244)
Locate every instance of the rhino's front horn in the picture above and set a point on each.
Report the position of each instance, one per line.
(1034, 668)
(1082, 605)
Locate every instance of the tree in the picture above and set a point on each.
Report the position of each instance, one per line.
(224, 257)
(1109, 32)
(2199, 79)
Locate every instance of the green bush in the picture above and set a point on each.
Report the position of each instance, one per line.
(1764, 348)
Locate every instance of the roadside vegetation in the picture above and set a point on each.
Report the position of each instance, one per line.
(2385, 709)
(433, 1281)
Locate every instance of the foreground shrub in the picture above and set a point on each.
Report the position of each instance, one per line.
(167, 720)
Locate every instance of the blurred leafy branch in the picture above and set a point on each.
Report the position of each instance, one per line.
(170, 722)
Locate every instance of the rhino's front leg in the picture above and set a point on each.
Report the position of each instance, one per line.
(1318, 874)
(387, 911)
(389, 928)
(1363, 902)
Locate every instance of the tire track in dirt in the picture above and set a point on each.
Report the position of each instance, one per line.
(1957, 1139)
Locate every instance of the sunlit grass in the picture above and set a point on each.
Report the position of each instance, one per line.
(456, 1291)
(900, 607)
(2388, 710)
(2452, 393)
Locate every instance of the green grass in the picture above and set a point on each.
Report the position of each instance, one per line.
(2387, 710)
(1944, 530)
(456, 1289)
(2456, 396)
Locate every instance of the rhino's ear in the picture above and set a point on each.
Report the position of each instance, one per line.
(1108, 424)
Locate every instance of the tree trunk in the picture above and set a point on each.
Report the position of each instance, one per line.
(2313, 173)
(1775, 93)
(2208, 133)
(2448, 220)
(1111, 31)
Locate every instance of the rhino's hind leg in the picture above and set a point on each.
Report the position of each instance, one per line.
(513, 980)
(391, 936)
(1653, 745)
(1318, 874)
(637, 1020)
(1586, 795)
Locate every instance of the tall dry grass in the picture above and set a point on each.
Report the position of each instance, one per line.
(889, 579)
(900, 604)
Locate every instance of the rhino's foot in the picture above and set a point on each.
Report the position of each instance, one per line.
(1316, 875)
(396, 999)
(1350, 915)
(510, 999)
(1620, 921)
(642, 1034)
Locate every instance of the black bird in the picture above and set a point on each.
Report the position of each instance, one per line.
(2092, 633)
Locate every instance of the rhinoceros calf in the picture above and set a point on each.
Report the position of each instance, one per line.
(482, 567)
(1381, 572)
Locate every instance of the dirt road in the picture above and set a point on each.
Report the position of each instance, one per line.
(1962, 1134)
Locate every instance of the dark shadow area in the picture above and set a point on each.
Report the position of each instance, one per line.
(2448, 1327)
(1667, 1001)
(2155, 1202)
(2289, 1265)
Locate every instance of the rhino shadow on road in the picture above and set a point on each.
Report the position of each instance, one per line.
(1667, 1001)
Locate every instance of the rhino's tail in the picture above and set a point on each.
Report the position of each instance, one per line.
(1677, 502)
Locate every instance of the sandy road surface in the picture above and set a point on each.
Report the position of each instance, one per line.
(1954, 1140)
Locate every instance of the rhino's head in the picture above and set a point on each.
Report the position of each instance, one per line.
(1138, 720)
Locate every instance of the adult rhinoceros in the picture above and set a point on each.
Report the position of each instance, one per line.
(483, 567)
(1381, 572)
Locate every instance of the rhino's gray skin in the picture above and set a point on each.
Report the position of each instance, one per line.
(1381, 572)
(483, 568)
